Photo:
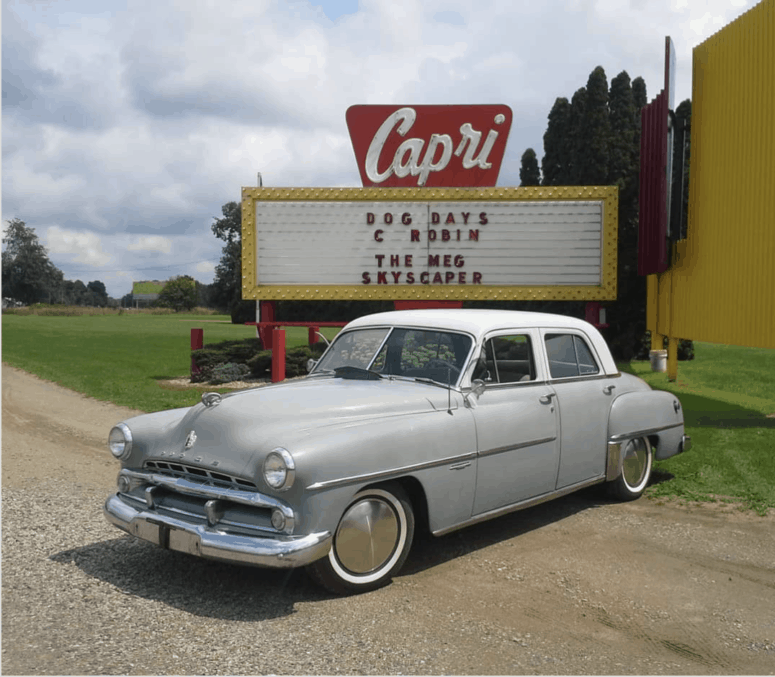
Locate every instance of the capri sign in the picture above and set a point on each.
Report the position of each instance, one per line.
(423, 146)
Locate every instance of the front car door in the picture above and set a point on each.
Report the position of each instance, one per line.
(584, 397)
(516, 423)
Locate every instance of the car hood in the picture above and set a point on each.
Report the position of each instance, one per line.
(234, 435)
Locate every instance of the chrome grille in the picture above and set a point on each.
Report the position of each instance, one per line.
(192, 472)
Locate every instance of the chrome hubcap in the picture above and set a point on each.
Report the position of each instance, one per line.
(367, 536)
(634, 462)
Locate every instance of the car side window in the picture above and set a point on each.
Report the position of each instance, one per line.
(569, 356)
(506, 359)
(587, 364)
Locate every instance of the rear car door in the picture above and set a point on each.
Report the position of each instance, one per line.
(516, 423)
(584, 397)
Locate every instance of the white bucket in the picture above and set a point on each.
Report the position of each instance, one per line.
(658, 360)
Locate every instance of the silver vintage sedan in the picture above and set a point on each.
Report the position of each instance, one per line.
(432, 418)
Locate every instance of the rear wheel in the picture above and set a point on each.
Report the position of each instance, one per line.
(637, 459)
(371, 542)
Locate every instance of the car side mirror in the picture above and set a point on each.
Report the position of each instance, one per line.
(311, 363)
(478, 387)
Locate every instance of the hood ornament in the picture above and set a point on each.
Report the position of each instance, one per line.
(211, 399)
(190, 439)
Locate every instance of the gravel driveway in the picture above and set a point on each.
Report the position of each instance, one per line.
(577, 586)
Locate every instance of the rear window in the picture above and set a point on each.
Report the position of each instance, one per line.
(569, 356)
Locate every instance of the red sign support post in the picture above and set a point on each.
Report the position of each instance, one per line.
(197, 342)
(278, 355)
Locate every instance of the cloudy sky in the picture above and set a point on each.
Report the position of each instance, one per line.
(126, 124)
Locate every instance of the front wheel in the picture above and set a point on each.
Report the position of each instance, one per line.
(371, 542)
(637, 458)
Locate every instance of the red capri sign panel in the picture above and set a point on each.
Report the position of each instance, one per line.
(429, 146)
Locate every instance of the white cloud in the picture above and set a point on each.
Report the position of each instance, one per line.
(137, 120)
(85, 247)
(151, 243)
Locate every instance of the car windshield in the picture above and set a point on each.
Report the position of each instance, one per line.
(423, 354)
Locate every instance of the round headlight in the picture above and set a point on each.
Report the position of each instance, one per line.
(120, 441)
(279, 469)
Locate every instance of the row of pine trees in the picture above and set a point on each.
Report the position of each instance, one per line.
(594, 140)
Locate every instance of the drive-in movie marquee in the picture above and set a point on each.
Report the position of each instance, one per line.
(429, 223)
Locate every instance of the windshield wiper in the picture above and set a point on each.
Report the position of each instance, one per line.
(425, 379)
(357, 374)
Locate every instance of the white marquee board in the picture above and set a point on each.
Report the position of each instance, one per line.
(499, 243)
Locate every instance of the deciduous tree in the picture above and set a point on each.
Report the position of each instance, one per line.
(28, 274)
(99, 293)
(179, 293)
(226, 292)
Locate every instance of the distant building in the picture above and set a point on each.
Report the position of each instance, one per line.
(146, 292)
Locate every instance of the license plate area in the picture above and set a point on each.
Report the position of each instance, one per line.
(183, 541)
(166, 536)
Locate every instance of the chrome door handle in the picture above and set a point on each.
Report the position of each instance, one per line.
(608, 389)
(546, 399)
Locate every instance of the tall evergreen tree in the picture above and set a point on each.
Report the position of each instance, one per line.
(575, 174)
(595, 134)
(556, 161)
(529, 174)
(639, 94)
(683, 116)
(621, 107)
(627, 315)
(640, 99)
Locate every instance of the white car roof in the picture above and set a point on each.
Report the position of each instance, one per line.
(482, 322)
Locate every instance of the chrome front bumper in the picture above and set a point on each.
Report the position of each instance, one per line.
(205, 541)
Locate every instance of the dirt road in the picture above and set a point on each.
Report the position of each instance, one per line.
(577, 586)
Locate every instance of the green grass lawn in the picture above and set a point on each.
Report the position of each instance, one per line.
(727, 392)
(728, 397)
(120, 358)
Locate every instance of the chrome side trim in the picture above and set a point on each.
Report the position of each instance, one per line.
(590, 377)
(643, 433)
(491, 385)
(529, 503)
(514, 447)
(384, 474)
(203, 541)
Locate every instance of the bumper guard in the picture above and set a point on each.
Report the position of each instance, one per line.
(208, 542)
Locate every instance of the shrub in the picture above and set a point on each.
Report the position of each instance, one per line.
(214, 358)
(295, 361)
(215, 355)
(261, 363)
(226, 373)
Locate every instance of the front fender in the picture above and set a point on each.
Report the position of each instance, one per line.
(654, 414)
